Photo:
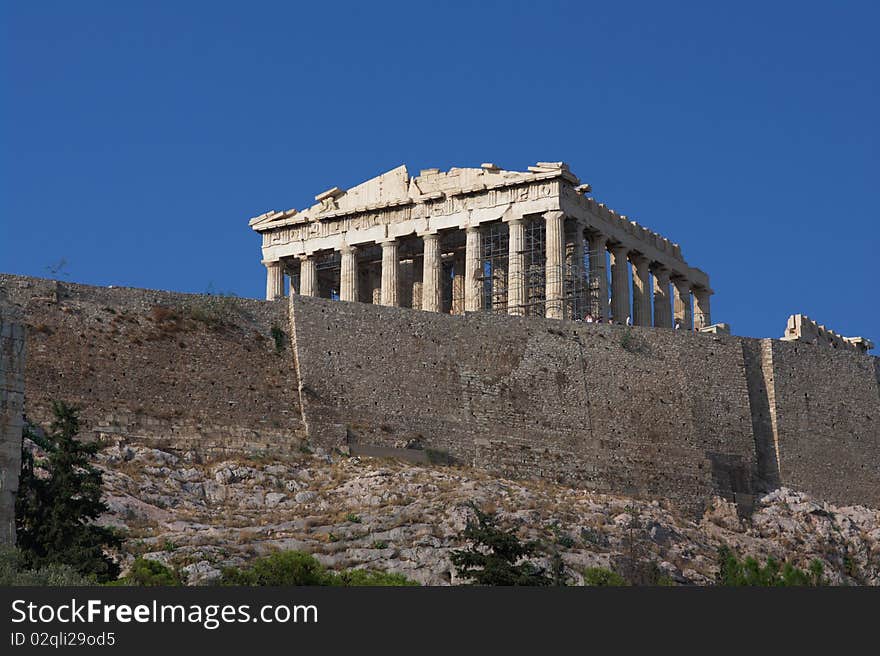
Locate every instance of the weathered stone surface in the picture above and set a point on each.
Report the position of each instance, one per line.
(403, 518)
(12, 370)
(152, 365)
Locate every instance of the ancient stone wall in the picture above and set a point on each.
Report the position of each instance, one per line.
(660, 413)
(12, 362)
(190, 371)
(828, 421)
(618, 409)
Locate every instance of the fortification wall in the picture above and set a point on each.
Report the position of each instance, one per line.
(629, 410)
(191, 371)
(12, 361)
(660, 413)
(827, 405)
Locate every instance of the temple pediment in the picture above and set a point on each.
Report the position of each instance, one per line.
(396, 187)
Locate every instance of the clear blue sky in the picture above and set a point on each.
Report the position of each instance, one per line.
(138, 138)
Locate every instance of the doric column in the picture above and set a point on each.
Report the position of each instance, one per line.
(348, 281)
(682, 304)
(390, 265)
(702, 316)
(578, 273)
(472, 273)
(274, 280)
(516, 273)
(457, 305)
(553, 264)
(662, 301)
(619, 284)
(598, 276)
(641, 276)
(375, 283)
(308, 276)
(431, 272)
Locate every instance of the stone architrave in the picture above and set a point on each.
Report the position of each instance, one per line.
(554, 265)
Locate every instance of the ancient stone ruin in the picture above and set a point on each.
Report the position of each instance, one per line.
(511, 385)
(801, 328)
(522, 243)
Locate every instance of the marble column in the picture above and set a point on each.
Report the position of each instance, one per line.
(578, 274)
(457, 306)
(641, 279)
(662, 300)
(598, 276)
(308, 276)
(431, 272)
(702, 315)
(516, 274)
(418, 271)
(274, 280)
(619, 284)
(473, 274)
(683, 312)
(348, 280)
(553, 264)
(375, 283)
(390, 266)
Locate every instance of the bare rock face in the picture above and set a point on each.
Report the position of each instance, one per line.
(382, 514)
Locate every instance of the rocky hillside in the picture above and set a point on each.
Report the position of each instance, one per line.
(383, 514)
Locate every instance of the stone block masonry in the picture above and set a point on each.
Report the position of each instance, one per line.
(827, 406)
(657, 413)
(670, 414)
(612, 408)
(184, 371)
(12, 362)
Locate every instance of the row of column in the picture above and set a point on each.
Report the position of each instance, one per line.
(666, 308)
(622, 258)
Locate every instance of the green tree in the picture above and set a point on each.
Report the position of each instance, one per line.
(56, 507)
(495, 556)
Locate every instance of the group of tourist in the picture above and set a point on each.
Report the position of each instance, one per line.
(588, 318)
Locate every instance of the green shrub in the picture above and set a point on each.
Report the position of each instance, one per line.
(354, 519)
(599, 576)
(365, 578)
(149, 573)
(300, 568)
(278, 335)
(14, 571)
(281, 568)
(749, 572)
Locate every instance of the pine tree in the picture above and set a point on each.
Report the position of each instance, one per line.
(494, 555)
(55, 509)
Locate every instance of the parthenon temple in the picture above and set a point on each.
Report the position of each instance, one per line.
(528, 243)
